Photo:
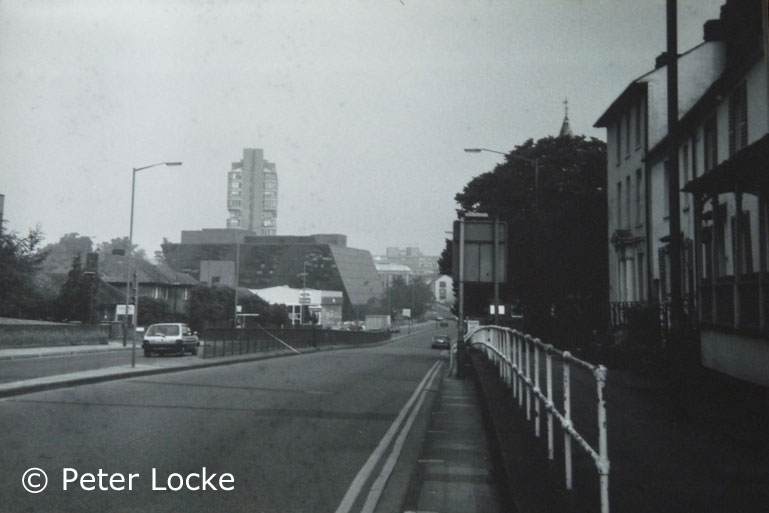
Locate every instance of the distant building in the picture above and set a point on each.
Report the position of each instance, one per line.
(155, 281)
(442, 289)
(227, 257)
(420, 264)
(325, 305)
(565, 126)
(389, 272)
(252, 194)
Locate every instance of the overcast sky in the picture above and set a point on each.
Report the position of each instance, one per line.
(365, 106)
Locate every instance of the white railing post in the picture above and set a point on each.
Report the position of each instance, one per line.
(511, 351)
(509, 359)
(567, 419)
(603, 442)
(515, 364)
(528, 343)
(521, 370)
(537, 391)
(549, 378)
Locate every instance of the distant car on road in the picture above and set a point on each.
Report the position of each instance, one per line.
(173, 337)
(441, 342)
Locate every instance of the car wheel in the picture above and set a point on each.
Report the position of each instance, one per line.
(147, 353)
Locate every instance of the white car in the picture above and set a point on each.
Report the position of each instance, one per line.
(172, 337)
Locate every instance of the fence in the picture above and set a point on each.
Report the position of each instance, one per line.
(229, 341)
(518, 359)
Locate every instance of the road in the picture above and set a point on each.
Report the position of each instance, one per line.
(295, 434)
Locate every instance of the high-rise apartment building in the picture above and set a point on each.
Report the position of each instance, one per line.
(252, 194)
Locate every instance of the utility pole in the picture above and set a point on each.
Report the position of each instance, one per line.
(674, 186)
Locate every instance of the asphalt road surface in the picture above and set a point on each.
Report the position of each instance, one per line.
(308, 433)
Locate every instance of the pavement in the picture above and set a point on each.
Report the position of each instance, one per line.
(455, 472)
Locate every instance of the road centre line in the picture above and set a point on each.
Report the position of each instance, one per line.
(378, 487)
(365, 471)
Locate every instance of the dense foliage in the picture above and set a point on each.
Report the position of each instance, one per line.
(557, 229)
(214, 307)
(19, 261)
(400, 295)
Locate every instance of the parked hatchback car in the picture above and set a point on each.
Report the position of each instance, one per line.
(441, 342)
(173, 337)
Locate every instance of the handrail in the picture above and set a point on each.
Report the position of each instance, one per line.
(512, 352)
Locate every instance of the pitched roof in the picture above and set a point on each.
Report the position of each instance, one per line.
(115, 269)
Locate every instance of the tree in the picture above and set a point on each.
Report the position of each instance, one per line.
(210, 306)
(121, 243)
(153, 310)
(59, 255)
(74, 302)
(413, 296)
(19, 262)
(557, 258)
(269, 315)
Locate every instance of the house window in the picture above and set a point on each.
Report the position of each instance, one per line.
(746, 260)
(638, 197)
(628, 203)
(619, 204)
(710, 144)
(627, 134)
(694, 157)
(738, 120)
(666, 190)
(638, 125)
(719, 235)
(619, 142)
(685, 170)
(640, 276)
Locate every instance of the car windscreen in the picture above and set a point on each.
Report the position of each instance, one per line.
(167, 330)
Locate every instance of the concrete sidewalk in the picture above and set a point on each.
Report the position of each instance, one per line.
(454, 472)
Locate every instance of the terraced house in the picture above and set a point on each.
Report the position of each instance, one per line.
(723, 161)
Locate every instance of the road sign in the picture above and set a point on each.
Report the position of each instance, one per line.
(479, 259)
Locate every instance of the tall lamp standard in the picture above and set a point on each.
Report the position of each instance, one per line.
(130, 265)
(534, 162)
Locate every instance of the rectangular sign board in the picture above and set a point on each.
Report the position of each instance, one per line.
(479, 260)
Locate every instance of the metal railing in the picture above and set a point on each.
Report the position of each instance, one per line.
(518, 358)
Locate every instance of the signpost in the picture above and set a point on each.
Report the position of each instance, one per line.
(479, 256)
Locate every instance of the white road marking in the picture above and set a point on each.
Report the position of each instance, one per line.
(365, 472)
(378, 487)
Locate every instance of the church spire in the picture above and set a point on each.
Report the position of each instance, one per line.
(565, 128)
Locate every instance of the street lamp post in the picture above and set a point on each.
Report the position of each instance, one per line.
(128, 284)
(534, 162)
(303, 298)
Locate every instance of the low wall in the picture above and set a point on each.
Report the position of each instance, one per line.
(46, 335)
(225, 342)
